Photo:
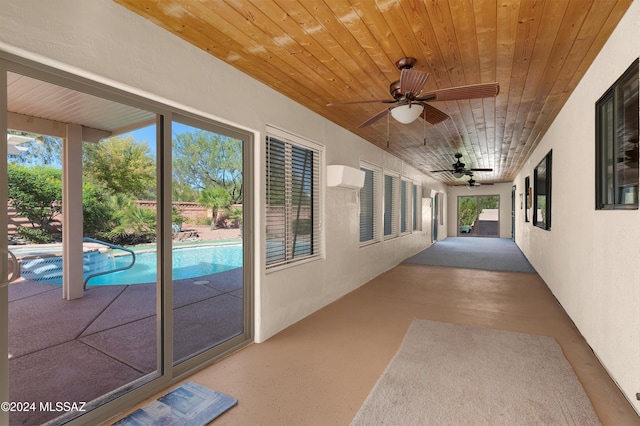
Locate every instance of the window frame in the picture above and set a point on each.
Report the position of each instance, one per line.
(292, 142)
(405, 207)
(417, 206)
(527, 198)
(376, 203)
(613, 108)
(540, 184)
(103, 407)
(393, 206)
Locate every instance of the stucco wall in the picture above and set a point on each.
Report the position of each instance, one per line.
(102, 41)
(590, 258)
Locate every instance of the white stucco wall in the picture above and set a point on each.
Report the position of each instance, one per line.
(503, 190)
(590, 259)
(103, 41)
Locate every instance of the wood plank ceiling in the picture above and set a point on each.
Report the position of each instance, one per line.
(322, 51)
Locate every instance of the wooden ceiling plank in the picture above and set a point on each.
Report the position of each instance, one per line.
(600, 21)
(399, 26)
(565, 35)
(314, 51)
(218, 44)
(552, 14)
(376, 25)
(507, 14)
(431, 58)
(354, 22)
(299, 42)
(324, 38)
(485, 12)
(250, 32)
(529, 19)
(465, 25)
(460, 57)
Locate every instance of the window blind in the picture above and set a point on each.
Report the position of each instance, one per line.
(368, 217)
(390, 206)
(416, 208)
(292, 202)
(404, 201)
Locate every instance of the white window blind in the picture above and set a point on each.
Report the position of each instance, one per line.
(369, 210)
(292, 202)
(390, 206)
(405, 212)
(417, 207)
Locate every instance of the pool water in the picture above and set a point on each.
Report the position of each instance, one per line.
(188, 262)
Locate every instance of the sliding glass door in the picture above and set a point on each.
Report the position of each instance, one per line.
(131, 248)
(207, 227)
(479, 216)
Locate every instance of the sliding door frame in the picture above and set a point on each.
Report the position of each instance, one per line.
(167, 373)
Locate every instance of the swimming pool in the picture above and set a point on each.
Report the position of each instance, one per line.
(188, 262)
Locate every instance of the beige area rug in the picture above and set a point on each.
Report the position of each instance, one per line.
(449, 374)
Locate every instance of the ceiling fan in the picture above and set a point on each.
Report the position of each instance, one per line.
(472, 183)
(458, 169)
(412, 102)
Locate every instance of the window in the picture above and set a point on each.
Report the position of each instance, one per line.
(542, 193)
(292, 201)
(617, 144)
(369, 200)
(527, 198)
(390, 206)
(417, 206)
(405, 198)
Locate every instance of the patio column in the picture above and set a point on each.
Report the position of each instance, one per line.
(72, 233)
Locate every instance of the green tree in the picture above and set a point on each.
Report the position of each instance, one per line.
(184, 193)
(467, 210)
(216, 198)
(203, 159)
(122, 166)
(129, 223)
(97, 210)
(36, 193)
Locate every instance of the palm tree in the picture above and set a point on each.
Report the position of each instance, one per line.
(216, 198)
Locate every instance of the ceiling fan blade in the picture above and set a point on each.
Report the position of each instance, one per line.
(432, 114)
(438, 171)
(382, 101)
(375, 118)
(473, 91)
(412, 81)
(481, 170)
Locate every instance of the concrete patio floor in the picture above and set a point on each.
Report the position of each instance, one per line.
(88, 347)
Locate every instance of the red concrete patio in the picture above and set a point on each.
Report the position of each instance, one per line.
(86, 348)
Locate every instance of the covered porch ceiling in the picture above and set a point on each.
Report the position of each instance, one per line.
(43, 108)
(318, 52)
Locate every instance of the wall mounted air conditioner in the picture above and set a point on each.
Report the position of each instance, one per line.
(345, 177)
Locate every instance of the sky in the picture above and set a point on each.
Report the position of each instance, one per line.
(148, 134)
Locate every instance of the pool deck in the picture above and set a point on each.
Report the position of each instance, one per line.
(93, 345)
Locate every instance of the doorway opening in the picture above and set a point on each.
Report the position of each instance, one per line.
(479, 216)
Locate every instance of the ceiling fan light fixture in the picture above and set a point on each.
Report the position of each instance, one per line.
(407, 113)
(458, 174)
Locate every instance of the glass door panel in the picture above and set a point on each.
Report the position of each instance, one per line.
(207, 241)
(78, 330)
